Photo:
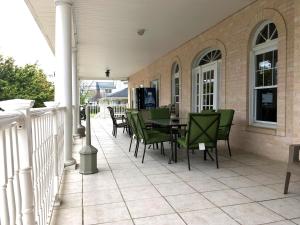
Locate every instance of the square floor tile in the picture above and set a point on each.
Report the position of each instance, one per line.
(149, 207)
(212, 185)
(238, 182)
(67, 216)
(194, 175)
(246, 170)
(265, 179)
(171, 219)
(105, 213)
(296, 221)
(189, 202)
(70, 200)
(260, 193)
(218, 173)
(102, 197)
(70, 188)
(251, 214)
(174, 189)
(286, 207)
(139, 192)
(213, 216)
(125, 222)
(99, 184)
(132, 181)
(163, 178)
(226, 197)
(284, 222)
(154, 170)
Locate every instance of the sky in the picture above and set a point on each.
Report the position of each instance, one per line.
(21, 38)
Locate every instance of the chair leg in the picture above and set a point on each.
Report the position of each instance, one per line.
(144, 153)
(228, 147)
(216, 153)
(130, 144)
(188, 156)
(137, 148)
(116, 132)
(156, 145)
(204, 154)
(163, 149)
(287, 182)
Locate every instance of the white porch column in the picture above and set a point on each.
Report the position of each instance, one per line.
(63, 52)
(75, 91)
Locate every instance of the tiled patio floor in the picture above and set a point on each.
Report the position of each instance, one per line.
(247, 189)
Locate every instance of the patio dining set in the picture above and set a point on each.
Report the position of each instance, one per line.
(197, 131)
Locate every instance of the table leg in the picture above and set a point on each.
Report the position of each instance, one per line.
(171, 152)
(175, 140)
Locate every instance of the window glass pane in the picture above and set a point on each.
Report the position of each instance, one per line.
(268, 81)
(259, 79)
(266, 104)
(273, 34)
(268, 59)
(259, 61)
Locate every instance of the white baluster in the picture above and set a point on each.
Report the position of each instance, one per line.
(26, 170)
(10, 177)
(17, 179)
(3, 181)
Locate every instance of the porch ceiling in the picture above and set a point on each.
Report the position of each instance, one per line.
(107, 30)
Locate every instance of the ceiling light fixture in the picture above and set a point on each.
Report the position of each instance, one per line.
(141, 31)
(107, 72)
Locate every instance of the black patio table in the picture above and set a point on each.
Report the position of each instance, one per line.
(174, 124)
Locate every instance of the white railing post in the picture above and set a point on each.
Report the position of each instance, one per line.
(56, 158)
(27, 193)
(4, 214)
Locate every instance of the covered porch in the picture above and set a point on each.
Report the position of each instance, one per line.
(246, 189)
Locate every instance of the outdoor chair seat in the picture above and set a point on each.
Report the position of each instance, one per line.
(183, 142)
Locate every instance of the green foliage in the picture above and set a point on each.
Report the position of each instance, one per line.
(27, 82)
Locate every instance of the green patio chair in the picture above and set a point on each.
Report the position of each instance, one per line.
(225, 125)
(148, 136)
(160, 113)
(202, 128)
(132, 128)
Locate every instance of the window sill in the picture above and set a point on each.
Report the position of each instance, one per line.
(268, 129)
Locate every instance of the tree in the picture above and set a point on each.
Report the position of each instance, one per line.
(27, 82)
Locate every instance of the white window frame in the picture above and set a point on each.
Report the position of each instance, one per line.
(174, 76)
(269, 45)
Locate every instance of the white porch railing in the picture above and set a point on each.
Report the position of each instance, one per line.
(101, 111)
(31, 164)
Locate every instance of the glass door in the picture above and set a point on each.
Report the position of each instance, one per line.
(206, 89)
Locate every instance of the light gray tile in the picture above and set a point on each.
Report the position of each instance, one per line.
(102, 197)
(284, 222)
(189, 202)
(154, 170)
(218, 173)
(286, 207)
(251, 214)
(163, 178)
(125, 222)
(260, 193)
(67, 216)
(212, 185)
(246, 170)
(213, 216)
(174, 189)
(105, 213)
(226, 197)
(194, 175)
(296, 221)
(171, 219)
(132, 181)
(265, 179)
(70, 200)
(149, 207)
(139, 192)
(238, 182)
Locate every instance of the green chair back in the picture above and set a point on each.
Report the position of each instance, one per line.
(160, 113)
(207, 111)
(140, 125)
(131, 123)
(202, 128)
(225, 122)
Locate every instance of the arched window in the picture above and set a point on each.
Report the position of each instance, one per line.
(263, 69)
(175, 84)
(205, 81)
